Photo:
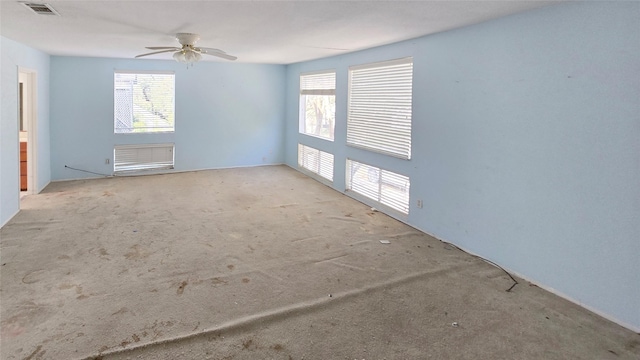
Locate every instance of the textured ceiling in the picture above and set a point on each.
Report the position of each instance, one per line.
(279, 32)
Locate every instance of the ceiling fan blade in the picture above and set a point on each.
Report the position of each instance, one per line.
(218, 53)
(162, 48)
(210, 50)
(155, 52)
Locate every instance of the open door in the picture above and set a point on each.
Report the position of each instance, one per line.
(27, 127)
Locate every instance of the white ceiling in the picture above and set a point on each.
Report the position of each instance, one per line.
(279, 32)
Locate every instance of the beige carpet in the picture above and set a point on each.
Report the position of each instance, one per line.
(262, 263)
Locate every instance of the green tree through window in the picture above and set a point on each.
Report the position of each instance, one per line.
(144, 102)
(318, 104)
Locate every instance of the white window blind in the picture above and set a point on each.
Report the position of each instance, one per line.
(379, 107)
(143, 157)
(144, 102)
(318, 104)
(383, 186)
(316, 161)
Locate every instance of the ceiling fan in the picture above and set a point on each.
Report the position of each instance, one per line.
(188, 53)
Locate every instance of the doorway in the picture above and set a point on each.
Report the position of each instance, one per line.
(27, 130)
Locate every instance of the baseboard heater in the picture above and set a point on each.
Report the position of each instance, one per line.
(131, 158)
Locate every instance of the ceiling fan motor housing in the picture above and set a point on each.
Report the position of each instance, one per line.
(187, 38)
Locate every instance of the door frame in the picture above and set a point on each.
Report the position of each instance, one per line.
(30, 109)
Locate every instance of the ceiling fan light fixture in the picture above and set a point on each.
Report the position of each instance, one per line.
(179, 56)
(187, 56)
(192, 56)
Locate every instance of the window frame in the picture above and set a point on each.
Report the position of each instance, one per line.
(371, 129)
(322, 156)
(115, 101)
(383, 199)
(303, 92)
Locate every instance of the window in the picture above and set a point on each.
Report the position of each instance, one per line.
(379, 107)
(383, 186)
(318, 104)
(142, 157)
(316, 161)
(144, 102)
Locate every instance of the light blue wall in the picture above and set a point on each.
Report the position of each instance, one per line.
(227, 114)
(14, 55)
(526, 145)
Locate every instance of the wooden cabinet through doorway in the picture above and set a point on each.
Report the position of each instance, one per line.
(23, 165)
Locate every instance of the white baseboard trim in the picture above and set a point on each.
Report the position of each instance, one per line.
(9, 219)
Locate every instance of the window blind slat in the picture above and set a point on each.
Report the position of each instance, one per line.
(316, 161)
(379, 107)
(320, 81)
(143, 157)
(383, 186)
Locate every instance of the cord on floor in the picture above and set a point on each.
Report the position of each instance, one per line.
(515, 282)
(87, 171)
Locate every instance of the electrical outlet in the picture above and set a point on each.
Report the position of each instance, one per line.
(419, 204)
(107, 161)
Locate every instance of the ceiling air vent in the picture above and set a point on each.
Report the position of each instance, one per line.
(41, 9)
